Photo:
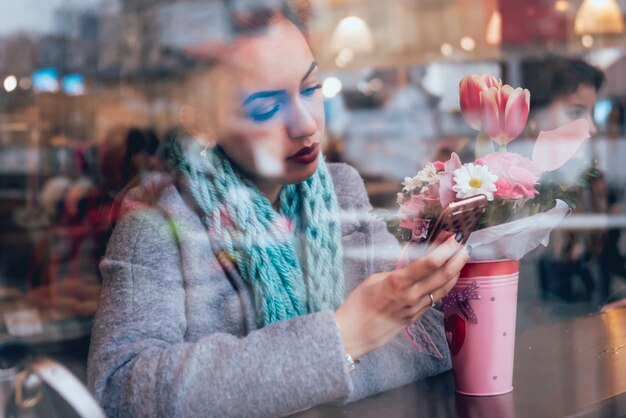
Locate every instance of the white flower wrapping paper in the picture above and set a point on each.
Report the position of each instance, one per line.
(515, 239)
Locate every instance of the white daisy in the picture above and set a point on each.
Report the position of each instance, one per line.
(471, 180)
(400, 198)
(428, 174)
(411, 183)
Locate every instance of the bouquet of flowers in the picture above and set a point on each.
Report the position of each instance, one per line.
(523, 207)
(524, 203)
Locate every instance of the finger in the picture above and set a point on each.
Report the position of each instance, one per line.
(445, 250)
(423, 300)
(448, 276)
(443, 235)
(416, 296)
(438, 283)
(431, 262)
(440, 293)
(418, 314)
(410, 313)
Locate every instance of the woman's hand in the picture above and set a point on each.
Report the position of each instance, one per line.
(384, 303)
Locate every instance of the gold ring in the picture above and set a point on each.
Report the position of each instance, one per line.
(432, 300)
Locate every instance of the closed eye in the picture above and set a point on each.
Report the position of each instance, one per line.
(309, 91)
(261, 115)
(263, 105)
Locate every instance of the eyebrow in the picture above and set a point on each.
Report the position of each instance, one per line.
(263, 95)
(273, 93)
(309, 71)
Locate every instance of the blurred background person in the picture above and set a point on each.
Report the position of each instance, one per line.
(564, 89)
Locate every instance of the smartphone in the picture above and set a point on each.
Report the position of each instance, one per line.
(460, 216)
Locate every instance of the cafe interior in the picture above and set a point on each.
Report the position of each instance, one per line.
(92, 90)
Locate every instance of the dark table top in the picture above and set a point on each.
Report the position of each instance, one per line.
(574, 368)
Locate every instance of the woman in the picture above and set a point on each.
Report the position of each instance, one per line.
(225, 295)
(563, 90)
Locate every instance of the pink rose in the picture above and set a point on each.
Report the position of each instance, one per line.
(517, 175)
(431, 198)
(411, 209)
(420, 229)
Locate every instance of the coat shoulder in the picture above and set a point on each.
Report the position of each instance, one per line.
(349, 186)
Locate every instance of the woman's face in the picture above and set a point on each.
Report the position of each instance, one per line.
(270, 114)
(578, 105)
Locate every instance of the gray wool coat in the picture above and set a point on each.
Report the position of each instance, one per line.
(175, 334)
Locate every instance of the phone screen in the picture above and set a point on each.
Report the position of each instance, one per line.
(460, 216)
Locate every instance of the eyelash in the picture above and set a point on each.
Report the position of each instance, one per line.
(263, 116)
(577, 113)
(309, 92)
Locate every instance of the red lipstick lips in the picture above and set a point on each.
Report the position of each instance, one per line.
(306, 155)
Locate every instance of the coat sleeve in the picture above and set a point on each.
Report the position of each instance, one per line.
(397, 363)
(141, 366)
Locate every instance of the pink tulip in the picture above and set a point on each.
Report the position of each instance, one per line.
(504, 111)
(470, 89)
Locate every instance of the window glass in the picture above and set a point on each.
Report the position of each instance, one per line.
(93, 92)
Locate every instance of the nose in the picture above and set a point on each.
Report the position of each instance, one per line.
(593, 128)
(301, 123)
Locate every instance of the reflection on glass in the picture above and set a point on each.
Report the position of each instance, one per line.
(501, 406)
(92, 90)
(46, 80)
(74, 84)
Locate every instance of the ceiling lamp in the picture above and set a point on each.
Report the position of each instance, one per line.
(494, 29)
(10, 83)
(587, 41)
(468, 43)
(447, 50)
(561, 6)
(331, 87)
(599, 17)
(352, 33)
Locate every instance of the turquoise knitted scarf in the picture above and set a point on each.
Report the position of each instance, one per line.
(290, 258)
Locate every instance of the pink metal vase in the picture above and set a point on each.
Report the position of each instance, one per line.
(480, 317)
